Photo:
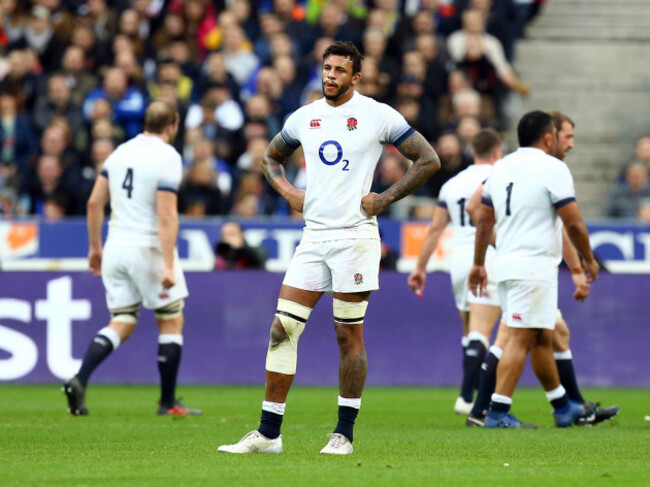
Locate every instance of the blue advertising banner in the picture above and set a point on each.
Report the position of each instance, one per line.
(47, 320)
(63, 245)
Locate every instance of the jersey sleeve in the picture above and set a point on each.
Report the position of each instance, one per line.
(171, 173)
(442, 196)
(560, 185)
(393, 127)
(289, 132)
(486, 198)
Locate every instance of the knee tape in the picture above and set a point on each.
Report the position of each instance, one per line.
(283, 356)
(349, 313)
(126, 315)
(171, 310)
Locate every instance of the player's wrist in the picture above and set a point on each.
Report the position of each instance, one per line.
(577, 270)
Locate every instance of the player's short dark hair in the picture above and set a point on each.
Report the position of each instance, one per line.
(347, 49)
(484, 142)
(532, 127)
(559, 118)
(160, 114)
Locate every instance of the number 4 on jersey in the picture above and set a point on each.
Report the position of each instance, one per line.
(128, 182)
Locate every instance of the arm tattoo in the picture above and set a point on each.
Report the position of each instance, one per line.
(425, 164)
(276, 155)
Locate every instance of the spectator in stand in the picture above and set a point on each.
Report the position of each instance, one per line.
(436, 74)
(128, 103)
(293, 20)
(39, 35)
(258, 109)
(104, 19)
(214, 72)
(18, 142)
(96, 53)
(270, 25)
(625, 200)
(374, 83)
(238, 54)
(482, 55)
(333, 23)
(233, 252)
(47, 182)
(468, 127)
(199, 194)
(79, 80)
(57, 102)
(500, 18)
(169, 72)
(292, 85)
(20, 80)
(643, 150)
(13, 19)
(127, 61)
(452, 159)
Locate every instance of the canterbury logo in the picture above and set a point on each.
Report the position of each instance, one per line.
(315, 123)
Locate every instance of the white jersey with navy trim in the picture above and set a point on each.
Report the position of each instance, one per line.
(136, 171)
(454, 196)
(342, 146)
(525, 189)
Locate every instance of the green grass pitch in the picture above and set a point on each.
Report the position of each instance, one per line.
(404, 437)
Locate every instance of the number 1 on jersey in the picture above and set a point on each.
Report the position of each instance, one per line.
(128, 182)
(509, 191)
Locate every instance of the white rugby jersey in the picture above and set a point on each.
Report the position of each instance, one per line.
(136, 171)
(342, 146)
(454, 196)
(525, 189)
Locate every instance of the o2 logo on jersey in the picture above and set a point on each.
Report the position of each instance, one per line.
(331, 153)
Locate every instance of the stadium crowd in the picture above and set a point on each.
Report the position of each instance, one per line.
(76, 76)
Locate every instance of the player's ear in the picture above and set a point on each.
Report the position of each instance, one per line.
(356, 77)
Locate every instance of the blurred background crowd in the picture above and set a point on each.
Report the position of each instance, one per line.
(75, 78)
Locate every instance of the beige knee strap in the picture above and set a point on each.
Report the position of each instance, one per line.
(171, 310)
(349, 313)
(282, 357)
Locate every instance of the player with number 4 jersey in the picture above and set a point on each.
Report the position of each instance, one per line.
(139, 263)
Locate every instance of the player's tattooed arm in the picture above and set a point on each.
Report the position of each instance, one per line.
(425, 164)
(273, 161)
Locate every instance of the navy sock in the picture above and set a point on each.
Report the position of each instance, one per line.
(347, 417)
(568, 379)
(474, 356)
(560, 402)
(100, 348)
(487, 384)
(270, 424)
(499, 407)
(169, 358)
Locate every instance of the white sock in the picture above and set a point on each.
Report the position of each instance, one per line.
(274, 407)
(556, 393)
(349, 402)
(111, 335)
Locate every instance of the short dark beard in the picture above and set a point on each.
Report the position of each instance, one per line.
(342, 91)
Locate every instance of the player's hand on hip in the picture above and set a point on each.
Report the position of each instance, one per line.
(416, 281)
(582, 286)
(168, 278)
(95, 261)
(591, 269)
(477, 280)
(297, 200)
(372, 204)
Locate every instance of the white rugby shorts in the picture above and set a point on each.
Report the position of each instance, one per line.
(344, 266)
(529, 304)
(459, 273)
(131, 275)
